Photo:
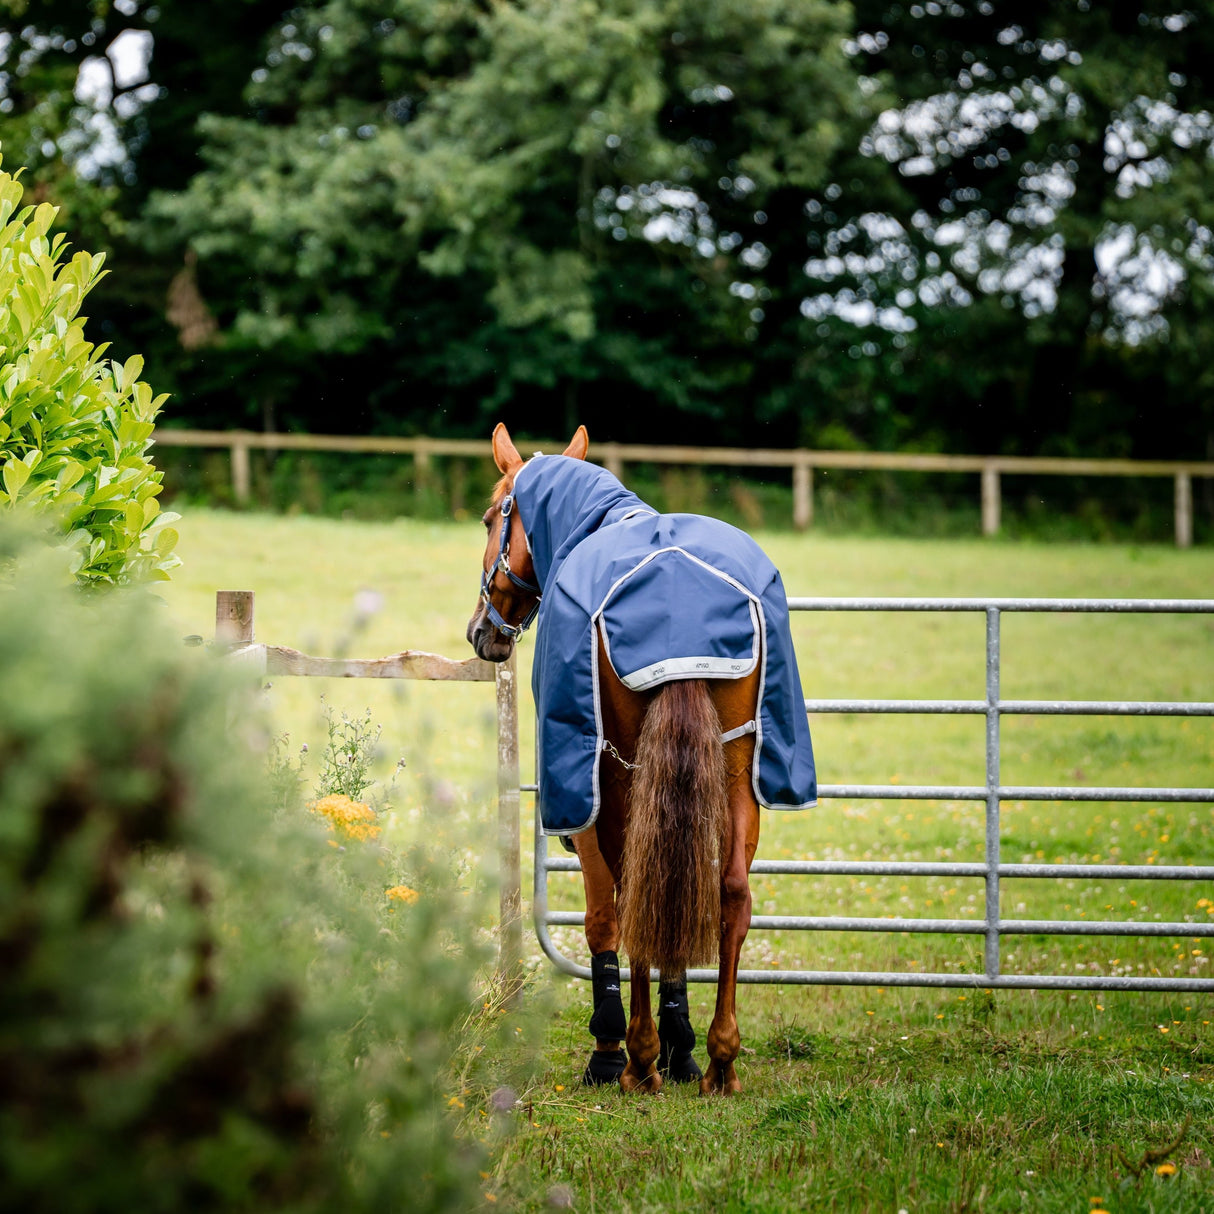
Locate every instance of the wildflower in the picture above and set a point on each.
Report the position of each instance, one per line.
(353, 819)
(402, 893)
(1166, 1169)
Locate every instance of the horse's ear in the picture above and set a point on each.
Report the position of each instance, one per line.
(505, 453)
(579, 444)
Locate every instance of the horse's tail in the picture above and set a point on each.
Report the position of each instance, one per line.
(670, 891)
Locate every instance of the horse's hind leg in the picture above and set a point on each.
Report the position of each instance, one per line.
(607, 1023)
(641, 1073)
(607, 1064)
(724, 1040)
(676, 1037)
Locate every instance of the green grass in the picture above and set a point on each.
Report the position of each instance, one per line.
(1017, 1101)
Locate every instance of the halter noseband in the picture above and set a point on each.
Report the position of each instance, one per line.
(502, 564)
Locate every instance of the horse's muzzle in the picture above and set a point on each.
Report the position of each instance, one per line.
(489, 644)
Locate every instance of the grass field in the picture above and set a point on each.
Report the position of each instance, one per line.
(856, 1099)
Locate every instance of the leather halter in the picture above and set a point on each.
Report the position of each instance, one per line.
(502, 565)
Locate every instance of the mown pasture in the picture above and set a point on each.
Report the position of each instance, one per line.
(855, 1098)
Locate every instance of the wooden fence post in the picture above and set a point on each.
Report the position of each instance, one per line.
(510, 943)
(802, 495)
(990, 499)
(240, 470)
(459, 487)
(233, 617)
(1184, 510)
(423, 468)
(612, 461)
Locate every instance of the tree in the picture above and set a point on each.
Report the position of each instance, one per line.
(586, 194)
(101, 102)
(1049, 227)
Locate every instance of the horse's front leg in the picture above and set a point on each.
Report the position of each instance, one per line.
(607, 1023)
(641, 1073)
(724, 1040)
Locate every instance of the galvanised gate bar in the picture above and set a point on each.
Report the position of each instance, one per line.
(992, 869)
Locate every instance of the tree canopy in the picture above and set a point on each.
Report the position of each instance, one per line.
(957, 225)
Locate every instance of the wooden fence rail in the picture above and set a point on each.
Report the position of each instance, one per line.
(234, 634)
(802, 462)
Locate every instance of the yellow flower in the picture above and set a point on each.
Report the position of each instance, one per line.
(353, 819)
(1166, 1169)
(402, 893)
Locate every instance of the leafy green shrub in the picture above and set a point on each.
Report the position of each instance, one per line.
(75, 431)
(207, 1006)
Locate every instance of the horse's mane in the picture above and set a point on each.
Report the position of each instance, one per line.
(500, 489)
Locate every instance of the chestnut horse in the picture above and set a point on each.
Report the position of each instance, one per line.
(666, 864)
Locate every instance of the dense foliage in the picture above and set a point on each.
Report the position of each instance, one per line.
(964, 225)
(75, 432)
(207, 1006)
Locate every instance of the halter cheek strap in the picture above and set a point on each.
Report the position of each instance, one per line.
(502, 565)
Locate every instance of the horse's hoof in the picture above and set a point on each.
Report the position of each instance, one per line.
(632, 1081)
(604, 1066)
(681, 1067)
(720, 1081)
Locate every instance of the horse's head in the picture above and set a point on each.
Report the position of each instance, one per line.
(510, 596)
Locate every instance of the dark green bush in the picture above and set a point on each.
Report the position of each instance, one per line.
(207, 1006)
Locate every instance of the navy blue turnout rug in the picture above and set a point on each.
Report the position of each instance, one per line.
(677, 596)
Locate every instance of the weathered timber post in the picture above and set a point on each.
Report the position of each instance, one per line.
(611, 459)
(423, 469)
(990, 499)
(233, 617)
(240, 469)
(458, 483)
(802, 495)
(1184, 510)
(510, 944)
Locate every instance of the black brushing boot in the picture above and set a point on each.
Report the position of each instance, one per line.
(676, 1037)
(608, 1022)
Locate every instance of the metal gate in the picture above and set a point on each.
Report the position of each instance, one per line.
(992, 868)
